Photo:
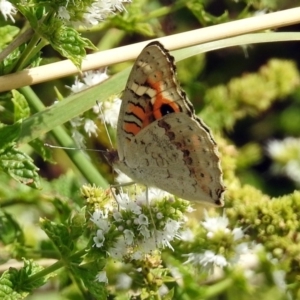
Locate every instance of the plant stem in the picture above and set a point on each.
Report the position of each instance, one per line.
(80, 160)
(59, 264)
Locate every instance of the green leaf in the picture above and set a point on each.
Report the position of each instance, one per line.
(8, 63)
(20, 167)
(22, 109)
(60, 235)
(44, 152)
(169, 295)
(66, 40)
(9, 134)
(30, 12)
(204, 17)
(88, 273)
(16, 284)
(10, 229)
(132, 25)
(7, 33)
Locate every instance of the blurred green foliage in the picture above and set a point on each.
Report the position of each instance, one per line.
(249, 96)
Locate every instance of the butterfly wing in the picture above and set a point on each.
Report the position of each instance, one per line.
(160, 140)
(178, 157)
(151, 92)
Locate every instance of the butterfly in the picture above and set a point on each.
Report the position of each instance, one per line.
(160, 141)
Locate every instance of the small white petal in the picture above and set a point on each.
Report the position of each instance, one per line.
(101, 277)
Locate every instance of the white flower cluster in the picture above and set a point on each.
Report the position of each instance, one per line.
(286, 154)
(246, 255)
(110, 112)
(138, 235)
(97, 12)
(89, 79)
(208, 258)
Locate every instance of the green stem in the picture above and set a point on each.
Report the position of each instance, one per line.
(59, 264)
(80, 160)
(26, 55)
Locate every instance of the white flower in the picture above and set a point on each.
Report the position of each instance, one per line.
(276, 149)
(77, 86)
(63, 13)
(171, 229)
(100, 220)
(101, 277)
(148, 245)
(168, 234)
(292, 170)
(159, 216)
(127, 204)
(111, 112)
(237, 233)
(100, 10)
(279, 279)
(142, 220)
(187, 235)
(286, 155)
(136, 209)
(99, 238)
(7, 10)
(122, 178)
(215, 224)
(118, 4)
(144, 231)
(151, 194)
(91, 78)
(90, 127)
(128, 236)
(78, 138)
(124, 282)
(208, 259)
(76, 122)
(117, 216)
(119, 249)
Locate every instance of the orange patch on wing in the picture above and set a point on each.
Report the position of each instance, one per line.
(160, 100)
(136, 110)
(131, 128)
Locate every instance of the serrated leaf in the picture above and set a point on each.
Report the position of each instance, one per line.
(88, 276)
(8, 63)
(8, 134)
(29, 12)
(10, 229)
(132, 25)
(19, 166)
(59, 234)
(7, 33)
(21, 107)
(204, 17)
(16, 284)
(66, 40)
